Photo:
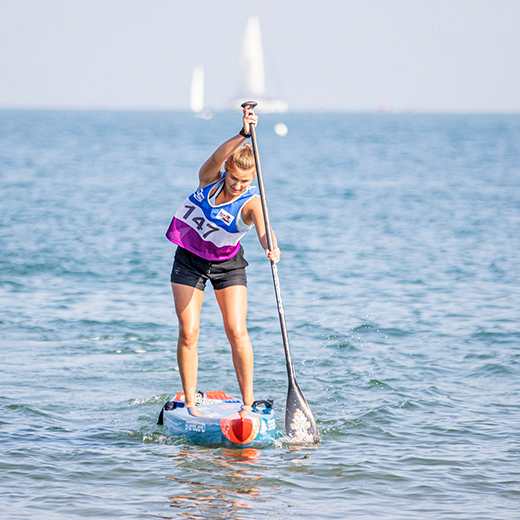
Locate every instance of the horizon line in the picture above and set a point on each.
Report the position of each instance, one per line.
(385, 111)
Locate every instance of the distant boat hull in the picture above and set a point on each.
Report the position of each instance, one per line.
(265, 106)
(204, 114)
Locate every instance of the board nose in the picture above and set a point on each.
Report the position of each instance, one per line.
(240, 429)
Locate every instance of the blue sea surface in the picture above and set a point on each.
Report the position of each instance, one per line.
(400, 239)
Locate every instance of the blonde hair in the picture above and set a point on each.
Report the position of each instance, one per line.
(242, 158)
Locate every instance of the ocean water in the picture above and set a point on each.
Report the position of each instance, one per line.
(400, 238)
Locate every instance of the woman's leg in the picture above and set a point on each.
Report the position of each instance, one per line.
(233, 305)
(188, 303)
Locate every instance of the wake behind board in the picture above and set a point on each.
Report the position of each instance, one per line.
(218, 419)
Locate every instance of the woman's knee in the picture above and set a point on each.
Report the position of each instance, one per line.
(237, 335)
(189, 335)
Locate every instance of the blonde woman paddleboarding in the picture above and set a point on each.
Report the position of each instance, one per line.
(207, 229)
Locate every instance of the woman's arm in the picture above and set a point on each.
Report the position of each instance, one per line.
(252, 213)
(210, 170)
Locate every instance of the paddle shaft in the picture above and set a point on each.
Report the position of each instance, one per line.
(300, 424)
(274, 268)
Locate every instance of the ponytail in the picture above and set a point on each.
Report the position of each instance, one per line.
(242, 158)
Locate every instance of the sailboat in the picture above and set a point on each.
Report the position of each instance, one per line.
(197, 94)
(252, 85)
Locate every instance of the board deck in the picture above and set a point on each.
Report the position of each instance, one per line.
(218, 419)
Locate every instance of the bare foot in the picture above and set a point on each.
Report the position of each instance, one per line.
(193, 410)
(244, 410)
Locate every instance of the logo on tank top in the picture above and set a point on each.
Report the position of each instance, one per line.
(199, 195)
(225, 216)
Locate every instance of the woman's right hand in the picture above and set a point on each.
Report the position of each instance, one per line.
(273, 255)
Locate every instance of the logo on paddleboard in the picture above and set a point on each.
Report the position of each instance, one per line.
(225, 216)
(195, 427)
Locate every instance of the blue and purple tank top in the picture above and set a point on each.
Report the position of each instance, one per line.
(207, 230)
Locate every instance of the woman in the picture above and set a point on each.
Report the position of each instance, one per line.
(207, 228)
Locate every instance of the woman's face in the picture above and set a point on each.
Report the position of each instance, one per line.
(237, 180)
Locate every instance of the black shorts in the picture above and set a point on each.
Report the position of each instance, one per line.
(190, 269)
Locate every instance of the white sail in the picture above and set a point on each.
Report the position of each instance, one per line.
(253, 74)
(197, 90)
(252, 85)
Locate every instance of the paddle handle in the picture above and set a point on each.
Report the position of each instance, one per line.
(270, 244)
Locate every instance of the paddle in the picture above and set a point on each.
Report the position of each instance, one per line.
(300, 425)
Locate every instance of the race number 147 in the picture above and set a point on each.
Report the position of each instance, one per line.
(200, 222)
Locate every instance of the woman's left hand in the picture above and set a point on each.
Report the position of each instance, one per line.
(273, 255)
(249, 117)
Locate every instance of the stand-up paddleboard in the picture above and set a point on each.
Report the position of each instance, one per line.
(218, 419)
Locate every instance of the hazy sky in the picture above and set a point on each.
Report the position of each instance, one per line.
(425, 55)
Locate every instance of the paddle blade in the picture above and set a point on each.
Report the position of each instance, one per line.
(300, 425)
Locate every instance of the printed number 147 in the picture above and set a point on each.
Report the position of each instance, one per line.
(200, 222)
